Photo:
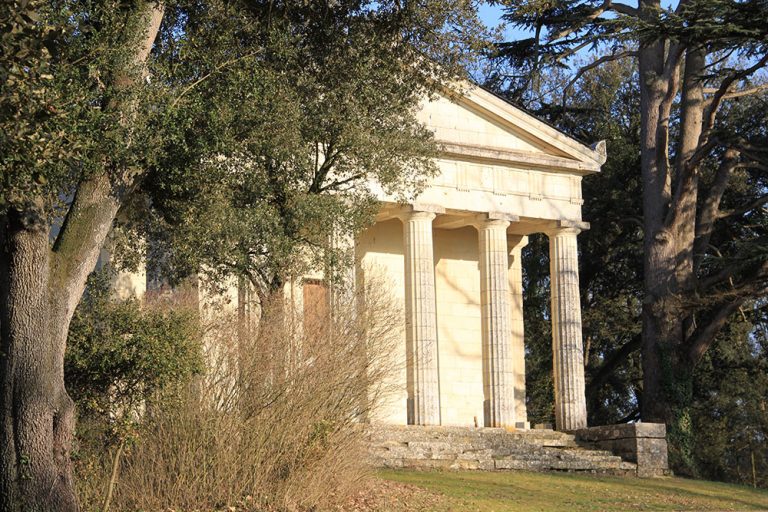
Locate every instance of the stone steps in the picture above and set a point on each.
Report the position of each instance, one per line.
(487, 449)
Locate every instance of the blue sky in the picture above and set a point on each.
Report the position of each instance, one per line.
(491, 16)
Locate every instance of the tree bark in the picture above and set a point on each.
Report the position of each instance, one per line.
(40, 286)
(36, 414)
(657, 242)
(40, 290)
(669, 236)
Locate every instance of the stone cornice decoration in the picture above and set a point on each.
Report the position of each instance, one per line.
(522, 158)
(576, 157)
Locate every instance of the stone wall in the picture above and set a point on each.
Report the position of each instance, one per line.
(642, 443)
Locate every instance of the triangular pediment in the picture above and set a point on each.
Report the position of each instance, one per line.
(472, 123)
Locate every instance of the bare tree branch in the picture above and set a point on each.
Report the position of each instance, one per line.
(606, 6)
(740, 93)
(337, 183)
(714, 105)
(705, 335)
(624, 9)
(757, 203)
(708, 213)
(727, 275)
(615, 359)
(599, 62)
(562, 56)
(672, 63)
(587, 19)
(215, 70)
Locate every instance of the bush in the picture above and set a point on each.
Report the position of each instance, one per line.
(120, 352)
(274, 423)
(121, 355)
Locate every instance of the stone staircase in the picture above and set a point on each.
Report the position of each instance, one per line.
(393, 446)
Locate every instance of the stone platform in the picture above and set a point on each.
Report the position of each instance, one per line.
(489, 449)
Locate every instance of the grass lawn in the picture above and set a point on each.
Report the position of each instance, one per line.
(522, 492)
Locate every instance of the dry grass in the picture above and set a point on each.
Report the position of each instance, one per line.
(275, 422)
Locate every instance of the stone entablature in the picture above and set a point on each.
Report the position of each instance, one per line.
(504, 180)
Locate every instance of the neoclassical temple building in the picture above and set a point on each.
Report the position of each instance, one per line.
(454, 255)
(453, 258)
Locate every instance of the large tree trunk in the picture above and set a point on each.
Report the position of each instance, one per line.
(36, 414)
(669, 234)
(659, 327)
(40, 287)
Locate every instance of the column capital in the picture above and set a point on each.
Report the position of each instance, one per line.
(417, 215)
(567, 227)
(493, 224)
(420, 211)
(516, 242)
(494, 220)
(425, 207)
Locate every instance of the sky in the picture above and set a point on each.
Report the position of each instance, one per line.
(491, 16)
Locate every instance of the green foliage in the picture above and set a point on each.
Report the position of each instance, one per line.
(677, 382)
(712, 203)
(314, 104)
(730, 409)
(58, 87)
(120, 354)
(253, 128)
(565, 29)
(540, 398)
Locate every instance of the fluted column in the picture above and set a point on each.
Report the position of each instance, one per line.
(568, 353)
(516, 244)
(420, 320)
(498, 378)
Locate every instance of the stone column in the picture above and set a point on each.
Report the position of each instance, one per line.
(567, 350)
(420, 320)
(498, 377)
(516, 244)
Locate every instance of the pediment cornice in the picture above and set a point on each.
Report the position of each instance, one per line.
(525, 159)
(559, 150)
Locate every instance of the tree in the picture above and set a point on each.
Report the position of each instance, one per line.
(695, 61)
(729, 413)
(106, 109)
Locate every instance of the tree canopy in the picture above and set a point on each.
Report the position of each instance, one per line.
(699, 63)
(236, 129)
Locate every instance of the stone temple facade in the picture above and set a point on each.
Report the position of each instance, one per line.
(454, 256)
(452, 259)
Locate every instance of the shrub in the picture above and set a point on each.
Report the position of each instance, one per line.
(121, 354)
(274, 423)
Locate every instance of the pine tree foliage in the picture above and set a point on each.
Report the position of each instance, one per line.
(728, 411)
(701, 74)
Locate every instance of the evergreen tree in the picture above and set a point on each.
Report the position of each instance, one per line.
(703, 259)
(604, 108)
